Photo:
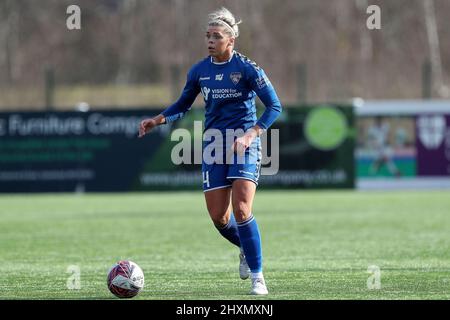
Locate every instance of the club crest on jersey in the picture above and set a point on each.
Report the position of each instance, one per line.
(235, 77)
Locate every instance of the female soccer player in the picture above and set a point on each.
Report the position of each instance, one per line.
(229, 82)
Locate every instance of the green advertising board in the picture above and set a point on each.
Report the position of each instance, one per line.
(308, 147)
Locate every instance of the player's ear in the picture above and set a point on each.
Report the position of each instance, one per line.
(231, 42)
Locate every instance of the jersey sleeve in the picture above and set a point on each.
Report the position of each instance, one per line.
(265, 91)
(191, 89)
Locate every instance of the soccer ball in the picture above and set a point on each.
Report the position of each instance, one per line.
(125, 279)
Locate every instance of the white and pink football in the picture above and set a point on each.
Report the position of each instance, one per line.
(125, 279)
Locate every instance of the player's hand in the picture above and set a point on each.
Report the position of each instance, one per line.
(242, 143)
(146, 126)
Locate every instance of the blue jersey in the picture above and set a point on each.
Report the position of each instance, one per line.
(229, 90)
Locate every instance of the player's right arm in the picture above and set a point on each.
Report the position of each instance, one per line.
(148, 124)
(177, 110)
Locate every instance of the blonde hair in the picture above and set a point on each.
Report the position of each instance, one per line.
(223, 17)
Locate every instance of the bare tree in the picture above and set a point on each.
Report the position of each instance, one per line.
(145, 41)
(127, 41)
(8, 39)
(435, 52)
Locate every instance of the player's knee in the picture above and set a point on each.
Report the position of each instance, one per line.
(219, 217)
(242, 211)
(220, 222)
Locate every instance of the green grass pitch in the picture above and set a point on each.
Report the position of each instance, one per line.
(316, 245)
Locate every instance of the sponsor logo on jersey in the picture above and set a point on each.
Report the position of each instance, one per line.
(219, 77)
(235, 77)
(205, 92)
(262, 81)
(225, 93)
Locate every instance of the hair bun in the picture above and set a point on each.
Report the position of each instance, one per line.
(224, 17)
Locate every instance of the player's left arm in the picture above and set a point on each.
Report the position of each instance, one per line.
(266, 92)
(263, 88)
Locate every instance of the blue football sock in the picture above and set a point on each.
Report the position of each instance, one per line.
(251, 243)
(230, 231)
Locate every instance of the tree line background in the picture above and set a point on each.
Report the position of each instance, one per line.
(137, 52)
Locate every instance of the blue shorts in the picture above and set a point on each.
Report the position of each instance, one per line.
(222, 175)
